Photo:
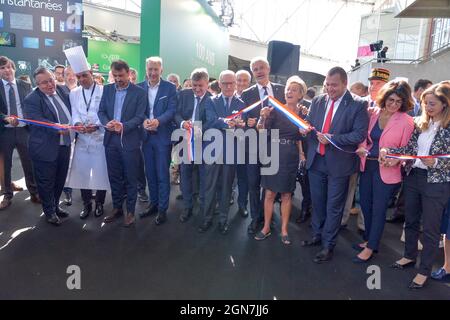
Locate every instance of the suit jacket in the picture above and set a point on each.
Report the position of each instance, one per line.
(133, 114)
(43, 143)
(24, 89)
(349, 129)
(396, 134)
(185, 107)
(164, 111)
(251, 96)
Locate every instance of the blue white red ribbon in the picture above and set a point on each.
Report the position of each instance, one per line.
(294, 118)
(410, 157)
(246, 109)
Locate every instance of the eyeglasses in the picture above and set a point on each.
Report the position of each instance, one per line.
(46, 82)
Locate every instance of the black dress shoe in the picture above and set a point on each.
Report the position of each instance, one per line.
(54, 220)
(223, 228)
(5, 203)
(86, 211)
(252, 227)
(186, 215)
(152, 209)
(396, 265)
(358, 260)
(61, 213)
(35, 198)
(205, 226)
(323, 256)
(416, 286)
(98, 210)
(311, 243)
(160, 218)
(242, 212)
(305, 213)
(68, 198)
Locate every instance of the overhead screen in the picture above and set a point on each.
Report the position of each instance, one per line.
(34, 33)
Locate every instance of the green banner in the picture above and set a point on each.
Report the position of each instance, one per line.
(105, 52)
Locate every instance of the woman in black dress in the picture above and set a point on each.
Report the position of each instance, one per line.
(290, 153)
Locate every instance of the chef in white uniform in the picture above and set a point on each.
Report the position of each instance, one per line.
(88, 169)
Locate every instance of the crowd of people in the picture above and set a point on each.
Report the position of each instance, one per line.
(359, 141)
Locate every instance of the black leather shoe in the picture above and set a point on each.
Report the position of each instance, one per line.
(396, 265)
(186, 215)
(54, 220)
(242, 212)
(358, 260)
(395, 217)
(416, 286)
(68, 198)
(311, 243)
(61, 213)
(5, 203)
(98, 209)
(323, 256)
(160, 218)
(252, 227)
(305, 213)
(152, 209)
(223, 228)
(86, 211)
(205, 226)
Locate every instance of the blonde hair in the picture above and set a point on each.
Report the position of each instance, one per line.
(442, 92)
(299, 81)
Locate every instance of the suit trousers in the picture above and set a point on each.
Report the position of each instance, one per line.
(427, 201)
(328, 194)
(192, 179)
(10, 139)
(50, 179)
(242, 184)
(375, 196)
(218, 176)
(157, 165)
(254, 191)
(123, 169)
(142, 181)
(86, 195)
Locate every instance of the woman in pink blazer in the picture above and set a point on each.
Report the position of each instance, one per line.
(390, 126)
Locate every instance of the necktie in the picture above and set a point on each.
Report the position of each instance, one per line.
(326, 127)
(416, 109)
(196, 109)
(12, 100)
(228, 105)
(266, 93)
(62, 119)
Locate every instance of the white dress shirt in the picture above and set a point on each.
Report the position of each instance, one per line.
(424, 144)
(261, 90)
(152, 92)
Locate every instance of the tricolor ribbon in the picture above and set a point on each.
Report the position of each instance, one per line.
(50, 125)
(409, 157)
(246, 109)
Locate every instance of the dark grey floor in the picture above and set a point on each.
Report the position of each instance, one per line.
(174, 261)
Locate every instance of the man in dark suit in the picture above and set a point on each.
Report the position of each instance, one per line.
(261, 70)
(345, 120)
(162, 98)
(190, 109)
(122, 110)
(49, 149)
(219, 172)
(12, 93)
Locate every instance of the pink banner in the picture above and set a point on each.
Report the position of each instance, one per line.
(364, 51)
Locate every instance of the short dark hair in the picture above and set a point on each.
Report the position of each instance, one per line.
(400, 88)
(311, 92)
(120, 65)
(38, 71)
(340, 71)
(59, 66)
(5, 60)
(422, 84)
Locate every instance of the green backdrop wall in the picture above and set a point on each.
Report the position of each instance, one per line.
(104, 52)
(186, 34)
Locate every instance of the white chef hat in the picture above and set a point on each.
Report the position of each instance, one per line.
(77, 59)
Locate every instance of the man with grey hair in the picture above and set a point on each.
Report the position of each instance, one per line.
(261, 90)
(190, 109)
(243, 79)
(157, 147)
(175, 79)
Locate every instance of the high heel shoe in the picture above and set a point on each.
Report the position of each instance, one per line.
(358, 260)
(415, 286)
(397, 265)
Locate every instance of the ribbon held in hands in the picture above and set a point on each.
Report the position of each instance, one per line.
(50, 125)
(410, 157)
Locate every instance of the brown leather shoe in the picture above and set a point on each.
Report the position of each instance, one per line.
(129, 220)
(15, 187)
(5, 203)
(35, 198)
(115, 214)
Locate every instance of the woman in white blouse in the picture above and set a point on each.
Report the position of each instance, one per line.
(427, 184)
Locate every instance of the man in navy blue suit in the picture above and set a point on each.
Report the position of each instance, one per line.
(261, 71)
(122, 110)
(190, 109)
(219, 174)
(345, 120)
(162, 98)
(49, 149)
